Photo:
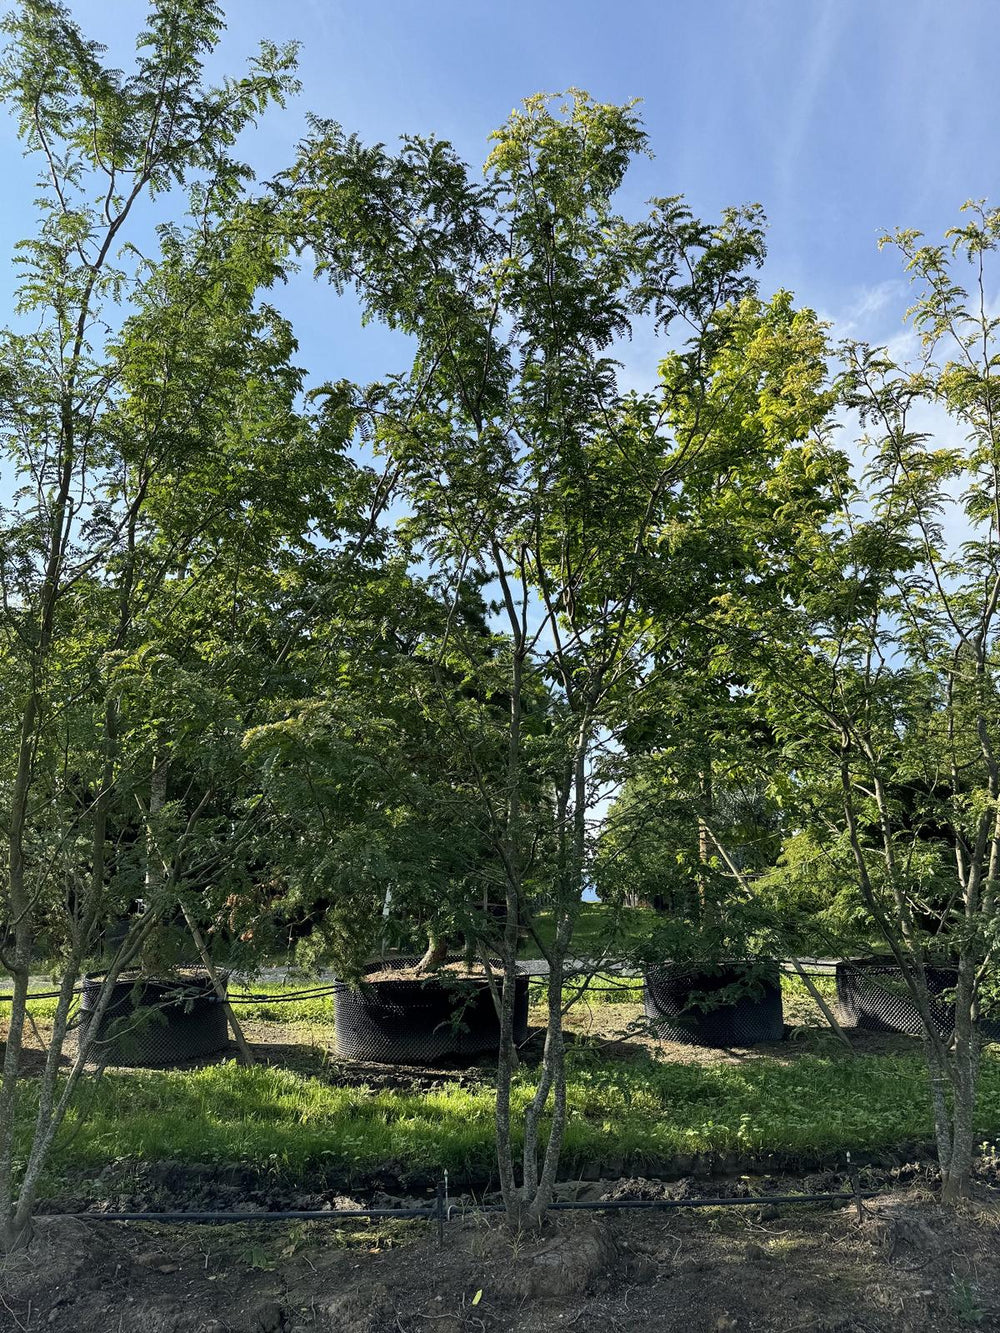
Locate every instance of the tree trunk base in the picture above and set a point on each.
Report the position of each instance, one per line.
(954, 1189)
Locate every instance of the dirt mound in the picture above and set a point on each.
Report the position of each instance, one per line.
(59, 1253)
(909, 1266)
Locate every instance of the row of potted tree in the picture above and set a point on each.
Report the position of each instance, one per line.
(446, 651)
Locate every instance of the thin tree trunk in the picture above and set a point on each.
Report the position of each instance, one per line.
(511, 858)
(704, 837)
(19, 966)
(555, 1071)
(505, 1068)
(246, 1055)
(825, 1009)
(554, 1065)
(965, 1071)
(18, 1208)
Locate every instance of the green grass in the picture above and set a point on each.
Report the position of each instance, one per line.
(601, 989)
(598, 927)
(315, 1009)
(793, 986)
(643, 1110)
(40, 1010)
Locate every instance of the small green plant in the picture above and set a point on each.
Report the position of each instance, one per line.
(256, 1256)
(965, 1302)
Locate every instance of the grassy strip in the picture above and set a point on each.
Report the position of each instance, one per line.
(318, 1009)
(793, 987)
(314, 1009)
(640, 1110)
(599, 928)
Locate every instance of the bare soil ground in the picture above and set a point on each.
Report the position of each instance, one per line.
(908, 1265)
(458, 971)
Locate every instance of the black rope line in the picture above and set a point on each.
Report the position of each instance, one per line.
(337, 987)
(454, 1210)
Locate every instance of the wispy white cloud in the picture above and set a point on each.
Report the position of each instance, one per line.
(809, 81)
(868, 311)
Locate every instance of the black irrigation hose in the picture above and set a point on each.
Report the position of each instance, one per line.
(305, 1216)
(39, 995)
(236, 1000)
(251, 998)
(432, 1210)
(335, 987)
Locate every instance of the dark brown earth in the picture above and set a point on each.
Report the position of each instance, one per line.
(459, 970)
(908, 1265)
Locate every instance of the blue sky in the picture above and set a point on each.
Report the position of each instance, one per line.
(842, 117)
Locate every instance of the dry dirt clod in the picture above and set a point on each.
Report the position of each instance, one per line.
(269, 1318)
(642, 1269)
(359, 1310)
(157, 1261)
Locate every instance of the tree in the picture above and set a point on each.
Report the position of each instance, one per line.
(150, 413)
(526, 466)
(883, 687)
(387, 846)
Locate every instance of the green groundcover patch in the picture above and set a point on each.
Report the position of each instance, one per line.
(638, 1110)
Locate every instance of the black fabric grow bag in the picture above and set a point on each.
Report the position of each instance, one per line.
(411, 1021)
(156, 1022)
(872, 995)
(675, 1000)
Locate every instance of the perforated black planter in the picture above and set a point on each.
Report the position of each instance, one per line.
(873, 996)
(409, 1021)
(674, 999)
(156, 1022)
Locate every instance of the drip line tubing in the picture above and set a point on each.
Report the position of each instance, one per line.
(457, 1210)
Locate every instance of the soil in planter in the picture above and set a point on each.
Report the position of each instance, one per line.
(445, 973)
